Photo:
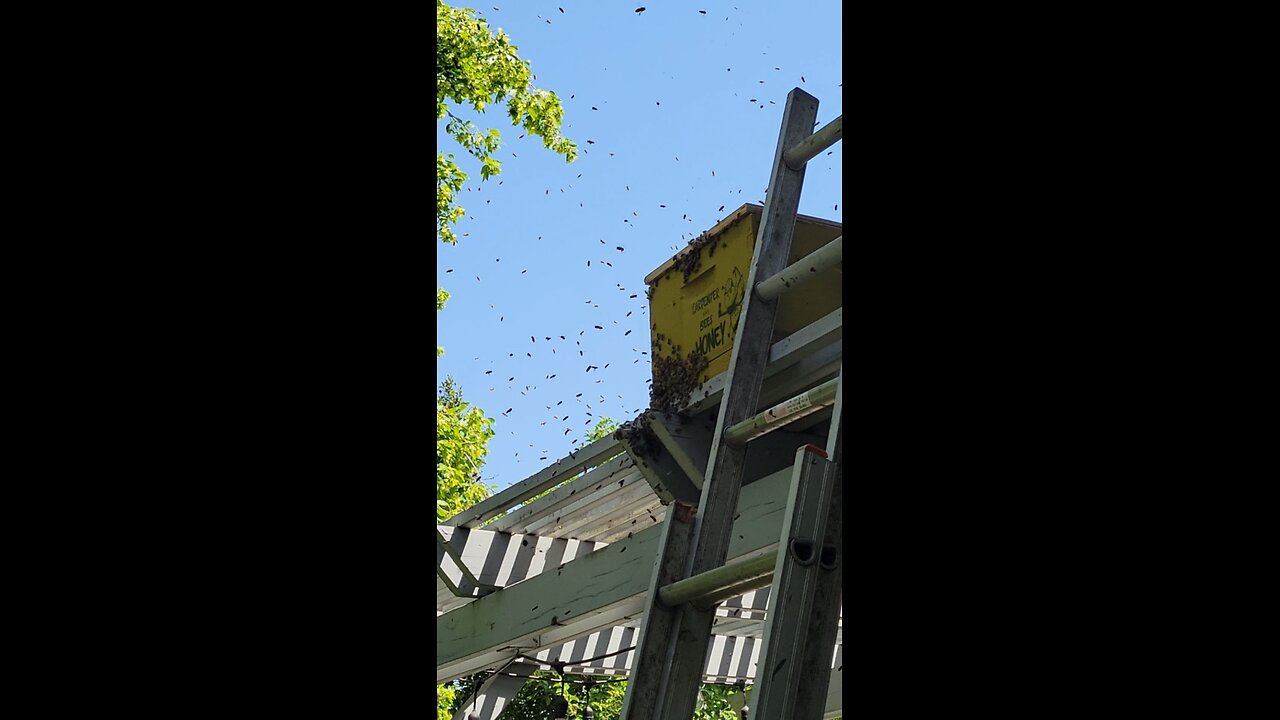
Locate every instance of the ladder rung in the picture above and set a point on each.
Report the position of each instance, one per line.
(784, 413)
(808, 148)
(691, 564)
(804, 270)
(710, 587)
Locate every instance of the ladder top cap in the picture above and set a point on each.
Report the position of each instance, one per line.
(796, 91)
(815, 450)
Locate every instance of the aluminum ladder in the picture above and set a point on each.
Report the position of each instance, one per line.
(690, 575)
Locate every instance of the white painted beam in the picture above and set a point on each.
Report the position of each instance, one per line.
(835, 695)
(495, 693)
(783, 355)
(503, 559)
(550, 476)
(487, 657)
(631, 522)
(520, 518)
(628, 490)
(569, 602)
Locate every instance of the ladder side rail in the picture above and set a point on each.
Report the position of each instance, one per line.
(713, 526)
(796, 576)
(816, 672)
(653, 646)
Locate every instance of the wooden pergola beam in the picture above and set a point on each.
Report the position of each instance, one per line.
(591, 593)
(497, 559)
(550, 476)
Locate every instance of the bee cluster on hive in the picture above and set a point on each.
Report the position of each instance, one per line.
(638, 433)
(691, 261)
(674, 378)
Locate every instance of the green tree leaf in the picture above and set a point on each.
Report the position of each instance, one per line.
(462, 442)
(475, 67)
(445, 699)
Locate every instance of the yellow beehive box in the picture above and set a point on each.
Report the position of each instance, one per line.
(695, 300)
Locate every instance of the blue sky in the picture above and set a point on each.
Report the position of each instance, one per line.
(683, 109)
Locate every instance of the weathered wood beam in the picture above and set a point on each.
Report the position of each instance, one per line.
(605, 618)
(564, 495)
(589, 594)
(495, 693)
(499, 559)
(595, 510)
(639, 518)
(664, 462)
(465, 583)
(548, 477)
